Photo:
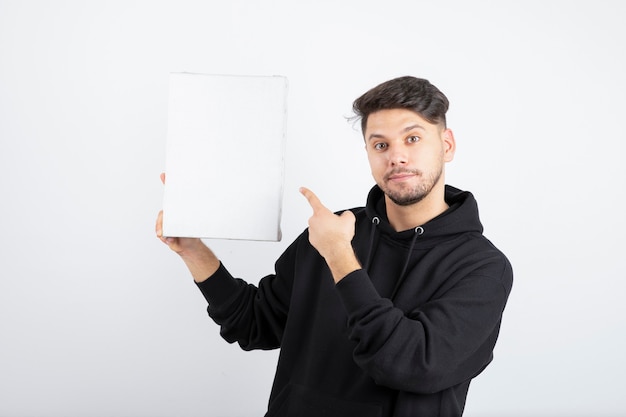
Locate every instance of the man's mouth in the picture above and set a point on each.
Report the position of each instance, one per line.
(401, 176)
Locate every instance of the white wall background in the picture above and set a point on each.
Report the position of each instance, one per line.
(98, 318)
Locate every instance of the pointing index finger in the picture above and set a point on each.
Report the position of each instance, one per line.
(315, 202)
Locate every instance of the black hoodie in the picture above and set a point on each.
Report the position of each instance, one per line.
(403, 336)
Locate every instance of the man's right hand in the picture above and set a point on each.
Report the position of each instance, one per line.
(180, 245)
(200, 260)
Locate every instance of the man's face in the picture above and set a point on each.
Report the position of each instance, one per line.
(406, 154)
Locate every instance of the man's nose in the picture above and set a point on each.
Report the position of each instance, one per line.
(398, 156)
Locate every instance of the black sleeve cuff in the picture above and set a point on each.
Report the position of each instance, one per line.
(219, 287)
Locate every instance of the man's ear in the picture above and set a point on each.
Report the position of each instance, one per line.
(449, 145)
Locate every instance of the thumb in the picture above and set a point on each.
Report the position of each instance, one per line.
(348, 215)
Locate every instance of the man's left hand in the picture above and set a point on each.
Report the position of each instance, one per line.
(332, 235)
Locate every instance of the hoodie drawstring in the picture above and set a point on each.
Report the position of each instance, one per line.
(418, 231)
(370, 254)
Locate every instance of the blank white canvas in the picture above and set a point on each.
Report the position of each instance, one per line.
(225, 156)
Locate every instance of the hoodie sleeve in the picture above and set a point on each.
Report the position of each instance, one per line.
(253, 316)
(442, 343)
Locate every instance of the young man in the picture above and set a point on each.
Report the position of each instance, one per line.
(384, 310)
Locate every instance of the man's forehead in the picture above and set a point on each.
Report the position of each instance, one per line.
(396, 119)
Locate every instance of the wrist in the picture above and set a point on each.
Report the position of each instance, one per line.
(342, 262)
(200, 260)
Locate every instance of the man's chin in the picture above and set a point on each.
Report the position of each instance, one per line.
(404, 199)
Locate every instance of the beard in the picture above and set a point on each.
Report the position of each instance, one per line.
(411, 194)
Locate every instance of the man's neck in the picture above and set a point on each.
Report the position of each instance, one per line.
(408, 217)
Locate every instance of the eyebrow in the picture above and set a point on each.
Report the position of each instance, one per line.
(405, 130)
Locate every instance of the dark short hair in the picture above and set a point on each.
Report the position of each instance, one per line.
(416, 94)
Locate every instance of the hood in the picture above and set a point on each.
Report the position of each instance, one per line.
(461, 217)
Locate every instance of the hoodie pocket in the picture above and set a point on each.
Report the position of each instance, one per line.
(299, 401)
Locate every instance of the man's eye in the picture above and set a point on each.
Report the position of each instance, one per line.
(413, 139)
(380, 146)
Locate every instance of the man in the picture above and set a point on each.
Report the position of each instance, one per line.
(384, 310)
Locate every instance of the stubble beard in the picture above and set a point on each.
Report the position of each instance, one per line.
(409, 195)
